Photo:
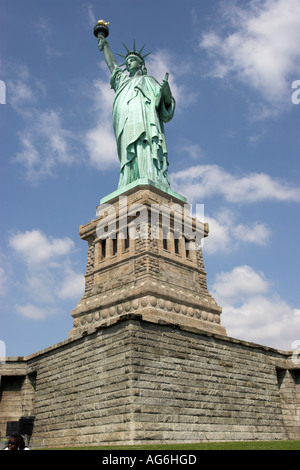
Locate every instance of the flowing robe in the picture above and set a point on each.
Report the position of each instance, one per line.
(139, 112)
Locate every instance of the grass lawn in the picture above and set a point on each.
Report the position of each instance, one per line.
(237, 445)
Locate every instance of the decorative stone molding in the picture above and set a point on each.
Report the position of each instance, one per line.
(149, 274)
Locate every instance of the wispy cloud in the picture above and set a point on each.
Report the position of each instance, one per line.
(252, 311)
(100, 140)
(226, 235)
(44, 30)
(32, 312)
(3, 280)
(49, 274)
(24, 91)
(261, 50)
(35, 247)
(258, 233)
(204, 181)
(240, 283)
(192, 150)
(47, 143)
(91, 15)
(162, 62)
(44, 141)
(72, 285)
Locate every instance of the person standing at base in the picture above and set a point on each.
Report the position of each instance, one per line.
(16, 442)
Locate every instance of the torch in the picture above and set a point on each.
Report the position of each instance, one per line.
(101, 29)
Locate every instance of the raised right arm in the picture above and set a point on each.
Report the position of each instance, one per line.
(108, 55)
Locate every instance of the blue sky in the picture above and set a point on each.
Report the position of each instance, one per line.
(233, 146)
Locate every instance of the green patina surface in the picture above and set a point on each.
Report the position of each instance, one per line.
(141, 107)
(143, 182)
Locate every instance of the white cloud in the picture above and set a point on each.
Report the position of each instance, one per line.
(20, 92)
(162, 62)
(101, 146)
(49, 274)
(258, 47)
(259, 233)
(44, 30)
(5, 274)
(72, 286)
(252, 311)
(102, 97)
(91, 16)
(35, 247)
(239, 284)
(203, 181)
(46, 144)
(3, 281)
(225, 236)
(268, 321)
(31, 312)
(194, 151)
(100, 140)
(219, 239)
(40, 285)
(24, 91)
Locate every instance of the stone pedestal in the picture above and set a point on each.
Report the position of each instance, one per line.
(147, 360)
(145, 258)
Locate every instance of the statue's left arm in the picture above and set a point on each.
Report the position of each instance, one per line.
(167, 102)
(166, 92)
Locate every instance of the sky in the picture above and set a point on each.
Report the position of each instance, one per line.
(233, 145)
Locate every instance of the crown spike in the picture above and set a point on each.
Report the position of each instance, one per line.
(133, 52)
(140, 51)
(126, 47)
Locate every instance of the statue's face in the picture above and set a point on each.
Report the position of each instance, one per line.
(133, 64)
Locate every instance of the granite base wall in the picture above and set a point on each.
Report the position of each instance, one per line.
(139, 382)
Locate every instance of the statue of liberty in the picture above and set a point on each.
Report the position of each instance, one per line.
(140, 109)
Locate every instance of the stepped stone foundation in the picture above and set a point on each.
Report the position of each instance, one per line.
(133, 381)
(147, 359)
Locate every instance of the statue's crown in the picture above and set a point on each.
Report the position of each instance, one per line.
(134, 52)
